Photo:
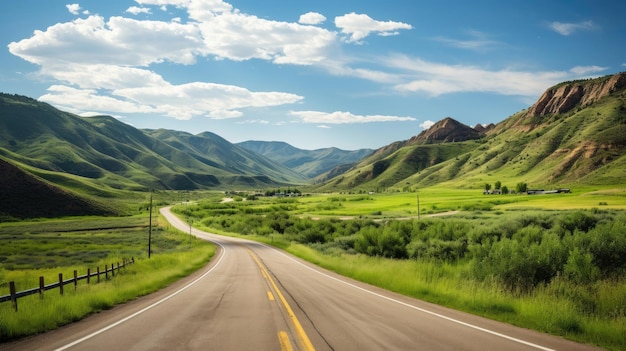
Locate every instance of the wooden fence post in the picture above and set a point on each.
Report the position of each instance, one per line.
(88, 275)
(75, 279)
(61, 283)
(13, 297)
(112, 270)
(41, 287)
(106, 271)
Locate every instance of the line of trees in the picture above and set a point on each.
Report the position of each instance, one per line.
(503, 189)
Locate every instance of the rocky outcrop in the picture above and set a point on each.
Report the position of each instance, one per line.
(566, 96)
(446, 131)
(482, 128)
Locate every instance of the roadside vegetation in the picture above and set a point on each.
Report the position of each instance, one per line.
(515, 258)
(31, 249)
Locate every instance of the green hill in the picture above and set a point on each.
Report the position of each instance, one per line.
(574, 134)
(23, 195)
(104, 152)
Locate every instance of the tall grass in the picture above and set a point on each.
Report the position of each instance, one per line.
(448, 284)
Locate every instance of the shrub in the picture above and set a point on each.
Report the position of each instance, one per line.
(577, 221)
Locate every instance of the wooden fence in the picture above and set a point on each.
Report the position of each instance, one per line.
(14, 295)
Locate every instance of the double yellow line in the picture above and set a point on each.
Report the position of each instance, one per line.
(282, 336)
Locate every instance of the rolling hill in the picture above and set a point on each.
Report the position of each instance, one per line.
(104, 152)
(23, 195)
(574, 134)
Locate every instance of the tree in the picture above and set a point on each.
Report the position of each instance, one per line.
(521, 187)
(487, 186)
(505, 189)
(497, 185)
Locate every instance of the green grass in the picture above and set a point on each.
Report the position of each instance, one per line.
(65, 245)
(447, 285)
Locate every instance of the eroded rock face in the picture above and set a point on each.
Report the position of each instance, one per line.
(446, 130)
(565, 97)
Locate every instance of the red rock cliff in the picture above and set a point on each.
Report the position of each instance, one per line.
(565, 97)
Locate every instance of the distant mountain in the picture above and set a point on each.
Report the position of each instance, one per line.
(107, 152)
(310, 163)
(574, 133)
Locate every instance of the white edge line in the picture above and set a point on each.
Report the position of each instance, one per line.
(110, 326)
(415, 307)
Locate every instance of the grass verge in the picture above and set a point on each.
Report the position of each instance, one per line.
(445, 284)
(36, 315)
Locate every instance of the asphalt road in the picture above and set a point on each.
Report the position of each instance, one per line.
(255, 297)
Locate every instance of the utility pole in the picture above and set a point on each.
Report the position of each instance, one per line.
(150, 228)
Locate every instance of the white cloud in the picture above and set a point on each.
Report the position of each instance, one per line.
(94, 41)
(426, 124)
(570, 28)
(359, 26)
(340, 117)
(137, 10)
(323, 126)
(74, 9)
(241, 37)
(585, 70)
(254, 121)
(81, 100)
(437, 79)
(178, 101)
(478, 41)
(312, 18)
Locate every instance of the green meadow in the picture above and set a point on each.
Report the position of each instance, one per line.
(554, 263)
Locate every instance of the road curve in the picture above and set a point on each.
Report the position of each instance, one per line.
(255, 297)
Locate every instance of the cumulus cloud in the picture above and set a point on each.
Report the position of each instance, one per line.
(426, 124)
(340, 117)
(359, 26)
(74, 9)
(569, 28)
(312, 18)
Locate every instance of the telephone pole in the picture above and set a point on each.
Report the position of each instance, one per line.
(150, 228)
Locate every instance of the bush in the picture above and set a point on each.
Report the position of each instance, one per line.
(520, 267)
(386, 243)
(577, 221)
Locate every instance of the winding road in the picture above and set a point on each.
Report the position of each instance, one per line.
(255, 297)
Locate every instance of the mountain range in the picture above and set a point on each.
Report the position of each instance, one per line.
(574, 133)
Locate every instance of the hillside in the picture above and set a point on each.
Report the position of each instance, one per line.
(310, 163)
(574, 134)
(23, 195)
(109, 153)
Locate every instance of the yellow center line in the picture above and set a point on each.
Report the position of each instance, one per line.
(304, 339)
(283, 339)
(270, 296)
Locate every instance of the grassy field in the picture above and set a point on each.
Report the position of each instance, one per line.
(552, 275)
(49, 247)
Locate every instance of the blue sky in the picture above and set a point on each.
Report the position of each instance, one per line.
(313, 73)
